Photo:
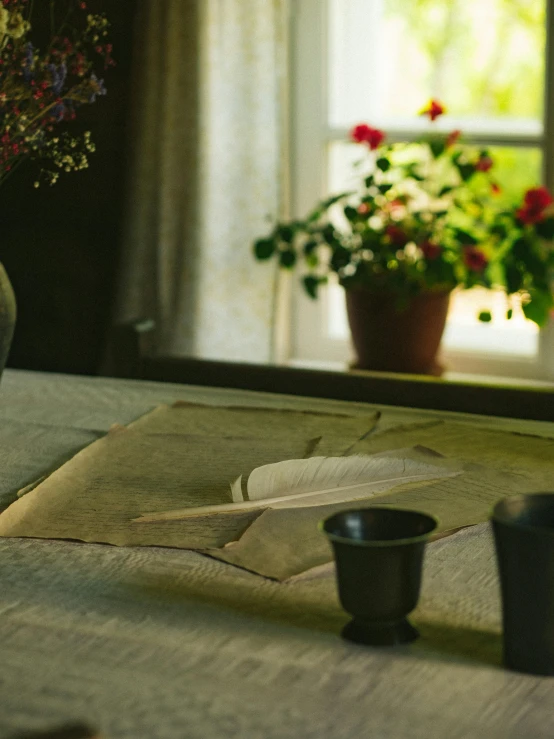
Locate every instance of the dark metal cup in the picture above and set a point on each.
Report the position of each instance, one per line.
(379, 557)
(523, 529)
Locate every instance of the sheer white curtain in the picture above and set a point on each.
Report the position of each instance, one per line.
(206, 171)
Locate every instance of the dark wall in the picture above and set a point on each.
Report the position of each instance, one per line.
(60, 245)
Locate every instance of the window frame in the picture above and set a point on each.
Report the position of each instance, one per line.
(311, 135)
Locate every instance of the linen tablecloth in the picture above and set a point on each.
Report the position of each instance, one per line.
(153, 642)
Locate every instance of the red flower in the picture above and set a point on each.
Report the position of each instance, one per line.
(536, 200)
(397, 236)
(538, 197)
(430, 251)
(364, 134)
(528, 216)
(483, 164)
(434, 109)
(364, 209)
(452, 138)
(474, 259)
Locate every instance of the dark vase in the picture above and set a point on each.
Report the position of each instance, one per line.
(391, 338)
(7, 316)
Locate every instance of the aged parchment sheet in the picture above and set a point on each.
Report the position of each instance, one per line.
(173, 457)
(186, 456)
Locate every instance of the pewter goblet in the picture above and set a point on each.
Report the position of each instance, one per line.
(379, 557)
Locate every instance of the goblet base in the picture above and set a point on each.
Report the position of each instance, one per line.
(380, 635)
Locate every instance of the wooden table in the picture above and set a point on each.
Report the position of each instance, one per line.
(167, 643)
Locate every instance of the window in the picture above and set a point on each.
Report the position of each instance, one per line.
(379, 61)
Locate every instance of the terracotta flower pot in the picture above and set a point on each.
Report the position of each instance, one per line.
(392, 339)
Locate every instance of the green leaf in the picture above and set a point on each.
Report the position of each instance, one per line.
(437, 147)
(369, 180)
(539, 307)
(443, 271)
(287, 258)
(315, 215)
(328, 234)
(545, 229)
(500, 230)
(472, 279)
(310, 247)
(351, 213)
(496, 272)
(334, 199)
(465, 238)
(466, 171)
(383, 164)
(514, 278)
(530, 261)
(445, 190)
(285, 233)
(509, 314)
(485, 316)
(311, 285)
(340, 258)
(264, 248)
(383, 189)
(520, 249)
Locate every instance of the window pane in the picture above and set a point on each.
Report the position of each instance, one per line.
(464, 332)
(337, 320)
(516, 170)
(482, 58)
(341, 175)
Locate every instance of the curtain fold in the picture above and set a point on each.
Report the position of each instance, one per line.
(209, 139)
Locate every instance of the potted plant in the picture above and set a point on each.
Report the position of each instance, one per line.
(45, 76)
(422, 220)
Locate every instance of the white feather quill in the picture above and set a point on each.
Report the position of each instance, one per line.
(317, 481)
